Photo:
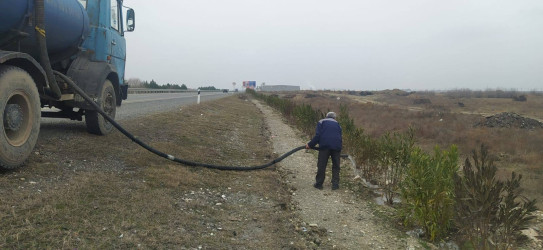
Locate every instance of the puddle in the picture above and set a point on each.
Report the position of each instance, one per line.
(382, 200)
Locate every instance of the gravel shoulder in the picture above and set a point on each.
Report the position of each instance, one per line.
(344, 221)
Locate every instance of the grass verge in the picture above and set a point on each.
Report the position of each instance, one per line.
(83, 191)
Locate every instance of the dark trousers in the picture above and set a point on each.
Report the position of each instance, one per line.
(324, 154)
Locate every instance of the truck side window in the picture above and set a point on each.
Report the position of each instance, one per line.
(114, 15)
(84, 3)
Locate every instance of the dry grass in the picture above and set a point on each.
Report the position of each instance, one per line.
(85, 191)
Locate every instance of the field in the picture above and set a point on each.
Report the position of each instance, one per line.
(450, 118)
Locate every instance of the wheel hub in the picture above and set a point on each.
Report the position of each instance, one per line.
(17, 120)
(13, 117)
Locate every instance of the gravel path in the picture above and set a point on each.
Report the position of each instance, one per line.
(346, 222)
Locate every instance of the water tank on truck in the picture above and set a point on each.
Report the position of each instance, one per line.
(46, 44)
(66, 24)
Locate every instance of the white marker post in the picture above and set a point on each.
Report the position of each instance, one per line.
(198, 102)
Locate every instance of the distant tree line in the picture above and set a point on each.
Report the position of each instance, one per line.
(489, 93)
(207, 88)
(516, 95)
(153, 85)
(137, 83)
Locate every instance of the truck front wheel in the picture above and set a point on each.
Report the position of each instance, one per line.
(96, 124)
(20, 115)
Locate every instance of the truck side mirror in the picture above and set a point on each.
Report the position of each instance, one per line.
(130, 20)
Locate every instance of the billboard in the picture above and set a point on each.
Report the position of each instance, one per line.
(249, 84)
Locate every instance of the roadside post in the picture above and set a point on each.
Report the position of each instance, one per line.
(198, 101)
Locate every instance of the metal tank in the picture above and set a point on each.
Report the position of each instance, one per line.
(66, 26)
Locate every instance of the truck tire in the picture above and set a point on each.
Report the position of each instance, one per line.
(20, 115)
(96, 124)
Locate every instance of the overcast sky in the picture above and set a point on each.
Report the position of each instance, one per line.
(339, 44)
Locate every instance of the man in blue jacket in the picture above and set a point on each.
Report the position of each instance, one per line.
(328, 136)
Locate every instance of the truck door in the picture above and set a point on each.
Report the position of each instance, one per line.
(117, 45)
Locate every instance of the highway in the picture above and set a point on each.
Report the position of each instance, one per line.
(142, 104)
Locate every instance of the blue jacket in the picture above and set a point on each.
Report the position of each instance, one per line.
(327, 135)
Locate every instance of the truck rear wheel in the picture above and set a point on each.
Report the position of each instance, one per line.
(96, 124)
(20, 115)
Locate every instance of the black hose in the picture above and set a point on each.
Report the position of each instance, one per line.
(39, 9)
(162, 154)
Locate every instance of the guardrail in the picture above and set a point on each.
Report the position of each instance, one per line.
(155, 91)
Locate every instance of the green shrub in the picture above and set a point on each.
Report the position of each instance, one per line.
(366, 154)
(489, 213)
(360, 146)
(394, 156)
(514, 214)
(347, 123)
(428, 191)
(306, 118)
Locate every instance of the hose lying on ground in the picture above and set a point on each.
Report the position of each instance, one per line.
(162, 154)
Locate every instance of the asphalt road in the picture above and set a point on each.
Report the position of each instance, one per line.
(142, 104)
(138, 105)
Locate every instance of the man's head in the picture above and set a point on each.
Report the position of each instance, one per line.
(331, 115)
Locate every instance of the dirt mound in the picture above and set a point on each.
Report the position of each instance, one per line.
(509, 120)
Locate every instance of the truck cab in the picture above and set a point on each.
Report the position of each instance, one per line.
(106, 42)
(101, 60)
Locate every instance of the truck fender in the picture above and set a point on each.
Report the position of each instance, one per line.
(28, 64)
(90, 77)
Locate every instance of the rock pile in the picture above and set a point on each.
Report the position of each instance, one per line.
(509, 120)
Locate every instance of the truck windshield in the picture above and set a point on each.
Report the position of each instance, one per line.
(114, 15)
(84, 3)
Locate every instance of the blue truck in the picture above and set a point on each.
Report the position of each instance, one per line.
(44, 44)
